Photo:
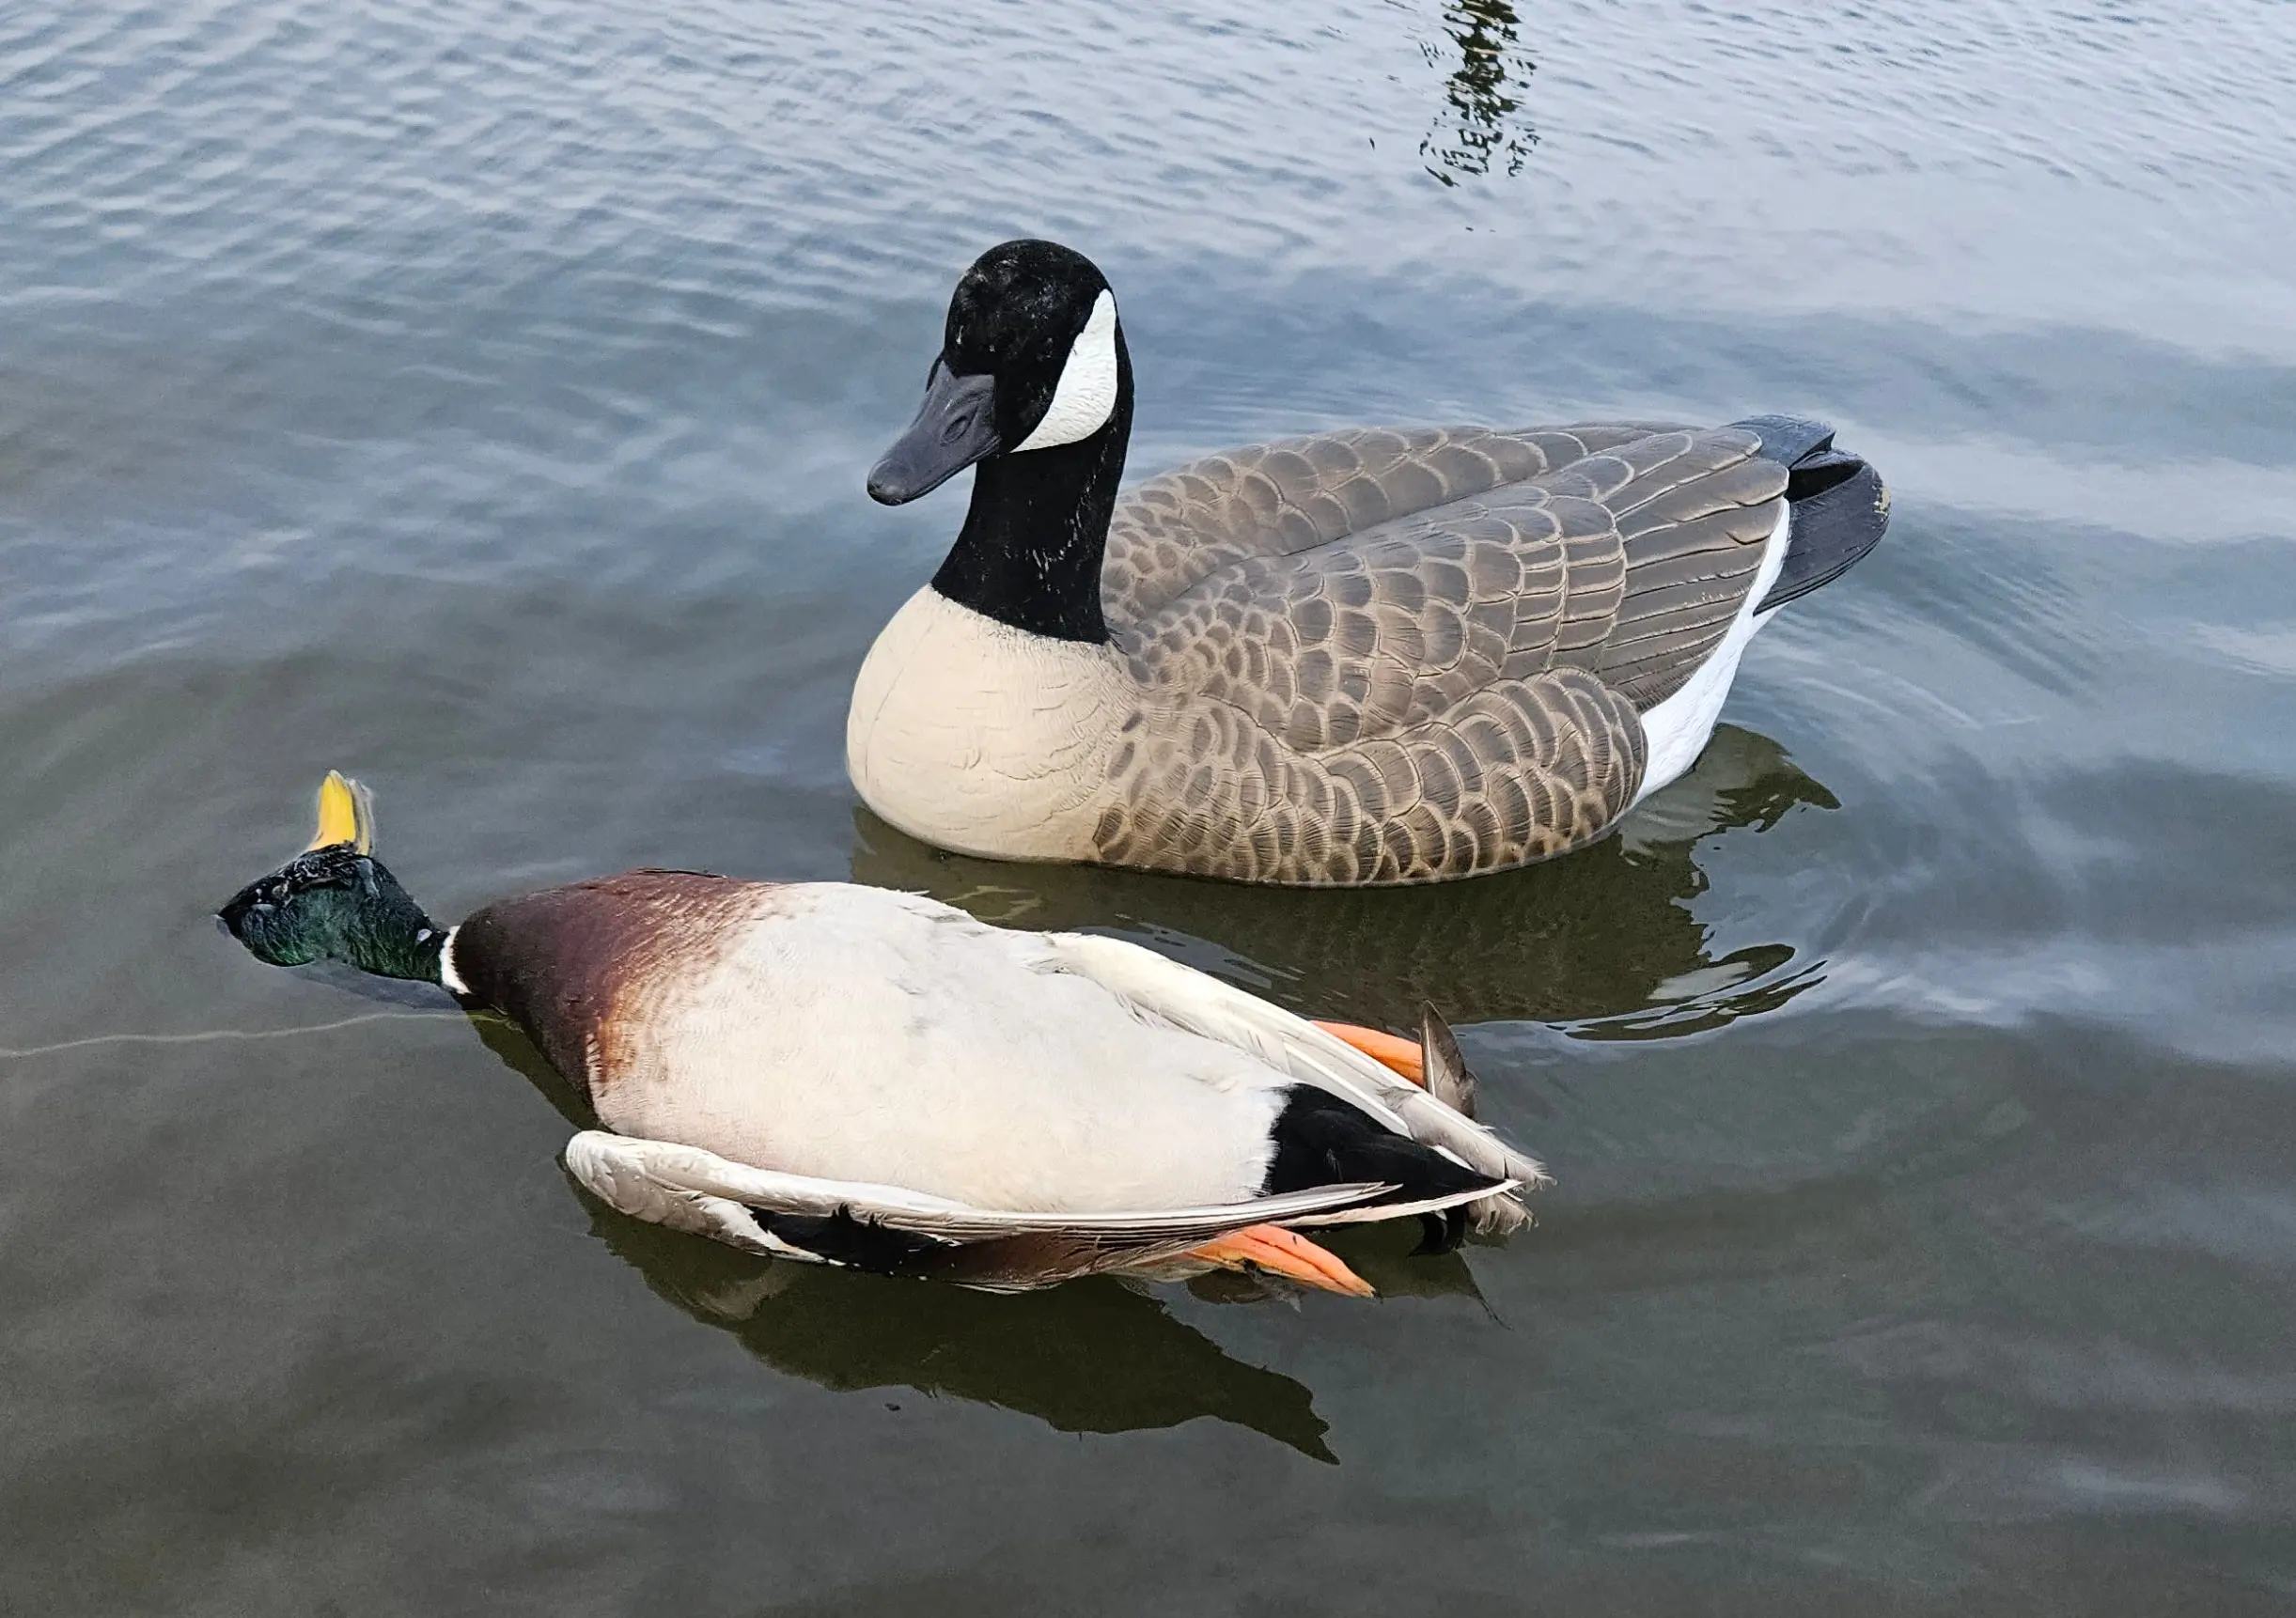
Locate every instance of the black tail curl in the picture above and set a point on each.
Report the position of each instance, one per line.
(1840, 506)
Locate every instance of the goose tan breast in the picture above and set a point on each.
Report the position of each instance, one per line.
(978, 738)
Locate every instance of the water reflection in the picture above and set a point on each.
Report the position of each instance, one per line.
(1603, 938)
(1091, 1357)
(1481, 127)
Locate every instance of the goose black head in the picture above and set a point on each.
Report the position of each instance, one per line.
(1031, 359)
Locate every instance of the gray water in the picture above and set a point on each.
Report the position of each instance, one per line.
(478, 395)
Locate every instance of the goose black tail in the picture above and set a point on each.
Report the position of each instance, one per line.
(1840, 507)
(1322, 1141)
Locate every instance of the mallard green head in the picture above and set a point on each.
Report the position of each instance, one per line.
(336, 901)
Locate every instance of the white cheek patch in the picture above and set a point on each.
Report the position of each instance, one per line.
(1086, 391)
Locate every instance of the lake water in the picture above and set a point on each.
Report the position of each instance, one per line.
(478, 397)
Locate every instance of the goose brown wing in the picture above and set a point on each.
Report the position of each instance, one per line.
(1451, 690)
(1693, 512)
(1276, 499)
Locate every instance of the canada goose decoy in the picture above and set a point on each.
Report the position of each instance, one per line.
(848, 1075)
(1358, 658)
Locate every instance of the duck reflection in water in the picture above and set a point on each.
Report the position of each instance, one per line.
(1094, 1356)
(1602, 939)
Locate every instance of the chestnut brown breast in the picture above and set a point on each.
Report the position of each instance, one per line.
(580, 966)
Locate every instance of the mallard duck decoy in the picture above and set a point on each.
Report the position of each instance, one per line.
(1380, 656)
(842, 1073)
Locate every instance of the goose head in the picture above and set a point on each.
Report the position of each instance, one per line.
(1032, 359)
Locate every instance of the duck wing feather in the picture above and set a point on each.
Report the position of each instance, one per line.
(1179, 996)
(689, 1188)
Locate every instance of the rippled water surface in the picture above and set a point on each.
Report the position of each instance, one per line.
(478, 395)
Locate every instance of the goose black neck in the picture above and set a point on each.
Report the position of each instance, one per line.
(1030, 552)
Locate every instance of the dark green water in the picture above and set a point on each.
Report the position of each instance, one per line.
(477, 397)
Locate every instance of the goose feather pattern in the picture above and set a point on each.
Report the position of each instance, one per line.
(1391, 691)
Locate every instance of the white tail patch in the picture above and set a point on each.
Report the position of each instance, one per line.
(1677, 729)
(1086, 391)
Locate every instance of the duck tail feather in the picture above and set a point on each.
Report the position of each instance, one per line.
(1449, 1080)
(1448, 1076)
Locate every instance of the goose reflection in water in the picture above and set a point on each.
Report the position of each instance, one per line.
(1481, 126)
(1602, 939)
